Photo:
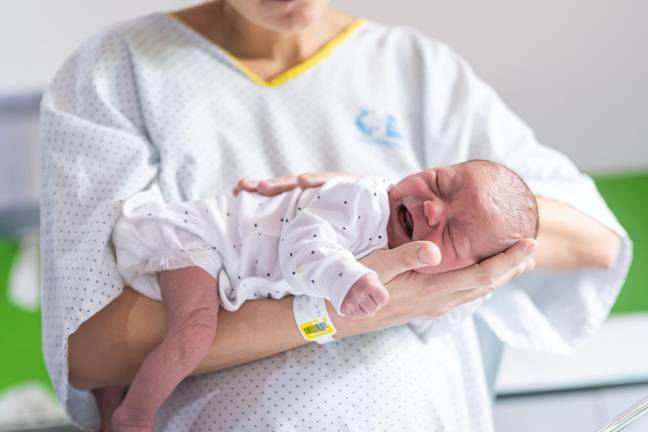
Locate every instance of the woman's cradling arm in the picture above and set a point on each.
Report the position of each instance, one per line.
(108, 348)
(568, 239)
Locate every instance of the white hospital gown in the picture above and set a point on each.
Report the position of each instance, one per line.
(301, 242)
(152, 105)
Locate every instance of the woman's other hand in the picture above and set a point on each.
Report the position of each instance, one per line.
(281, 184)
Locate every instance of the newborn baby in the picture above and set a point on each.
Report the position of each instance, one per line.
(299, 242)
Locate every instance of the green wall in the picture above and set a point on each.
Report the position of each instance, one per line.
(20, 337)
(627, 196)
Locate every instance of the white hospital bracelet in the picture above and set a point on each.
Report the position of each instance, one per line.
(312, 319)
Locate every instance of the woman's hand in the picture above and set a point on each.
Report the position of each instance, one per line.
(281, 184)
(368, 294)
(415, 296)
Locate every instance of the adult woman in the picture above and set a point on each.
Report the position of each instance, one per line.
(184, 105)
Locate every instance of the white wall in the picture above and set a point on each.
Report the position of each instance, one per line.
(37, 35)
(574, 70)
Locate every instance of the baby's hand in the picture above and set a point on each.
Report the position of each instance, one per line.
(366, 297)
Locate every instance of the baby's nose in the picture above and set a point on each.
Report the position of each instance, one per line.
(433, 212)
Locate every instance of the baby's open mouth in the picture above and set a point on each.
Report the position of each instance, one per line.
(405, 219)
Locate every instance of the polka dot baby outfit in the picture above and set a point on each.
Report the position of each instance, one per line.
(298, 242)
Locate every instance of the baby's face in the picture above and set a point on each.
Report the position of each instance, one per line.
(452, 206)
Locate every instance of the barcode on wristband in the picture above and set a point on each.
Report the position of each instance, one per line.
(316, 328)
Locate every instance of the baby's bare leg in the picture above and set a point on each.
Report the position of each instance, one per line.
(108, 399)
(190, 299)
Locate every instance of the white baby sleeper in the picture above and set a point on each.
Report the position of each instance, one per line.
(298, 242)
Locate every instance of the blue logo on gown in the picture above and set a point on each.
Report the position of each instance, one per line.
(381, 129)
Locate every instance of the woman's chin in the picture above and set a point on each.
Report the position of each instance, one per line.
(293, 20)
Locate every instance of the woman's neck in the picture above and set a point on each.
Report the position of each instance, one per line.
(264, 51)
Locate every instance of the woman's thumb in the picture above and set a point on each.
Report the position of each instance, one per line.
(407, 257)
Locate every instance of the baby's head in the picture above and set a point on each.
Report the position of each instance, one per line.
(471, 211)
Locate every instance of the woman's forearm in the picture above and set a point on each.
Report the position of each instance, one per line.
(568, 239)
(109, 347)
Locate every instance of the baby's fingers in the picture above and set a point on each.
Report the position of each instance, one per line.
(365, 298)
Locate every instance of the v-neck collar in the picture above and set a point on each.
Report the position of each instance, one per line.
(285, 76)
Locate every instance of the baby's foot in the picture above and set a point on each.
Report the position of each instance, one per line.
(122, 422)
(366, 297)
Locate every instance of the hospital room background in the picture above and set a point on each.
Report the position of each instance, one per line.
(575, 71)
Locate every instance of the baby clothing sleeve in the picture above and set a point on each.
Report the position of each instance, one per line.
(554, 312)
(345, 220)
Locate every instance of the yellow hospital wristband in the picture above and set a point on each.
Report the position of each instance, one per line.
(312, 319)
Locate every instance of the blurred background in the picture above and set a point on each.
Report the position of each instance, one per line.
(575, 71)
